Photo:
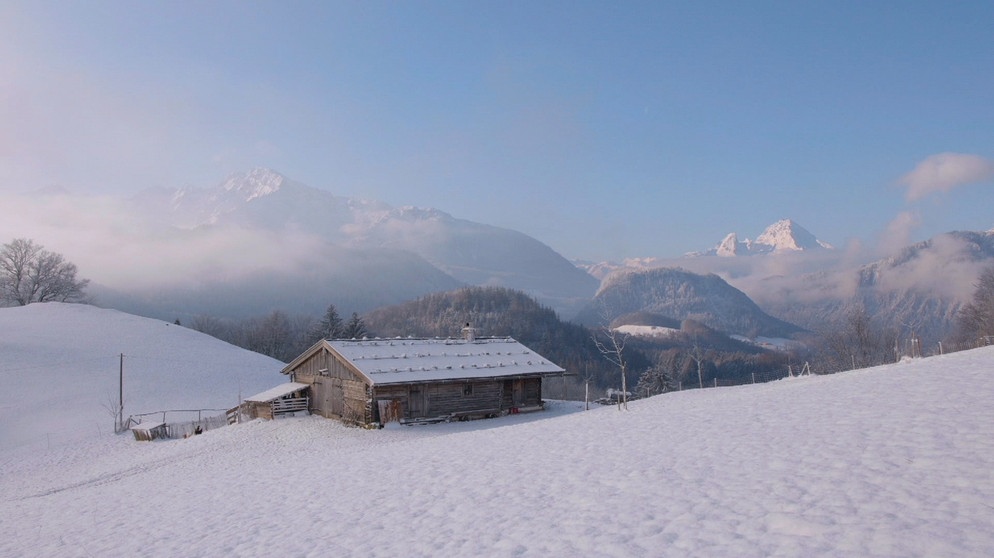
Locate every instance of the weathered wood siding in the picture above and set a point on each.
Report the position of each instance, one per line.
(434, 400)
(336, 391)
(256, 409)
(521, 392)
(454, 398)
(533, 391)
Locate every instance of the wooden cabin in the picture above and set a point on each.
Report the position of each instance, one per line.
(281, 400)
(374, 381)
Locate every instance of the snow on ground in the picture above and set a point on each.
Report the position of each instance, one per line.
(647, 330)
(773, 343)
(60, 364)
(891, 461)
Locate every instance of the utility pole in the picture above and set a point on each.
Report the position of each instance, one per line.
(586, 395)
(120, 396)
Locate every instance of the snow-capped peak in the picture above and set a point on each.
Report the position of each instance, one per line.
(254, 184)
(729, 246)
(780, 237)
(786, 235)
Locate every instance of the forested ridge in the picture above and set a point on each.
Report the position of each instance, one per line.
(497, 312)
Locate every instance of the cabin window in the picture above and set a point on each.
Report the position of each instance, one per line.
(467, 389)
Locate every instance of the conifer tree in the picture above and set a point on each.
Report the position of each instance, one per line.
(330, 327)
(355, 328)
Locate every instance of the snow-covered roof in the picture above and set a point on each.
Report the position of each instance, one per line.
(276, 392)
(396, 361)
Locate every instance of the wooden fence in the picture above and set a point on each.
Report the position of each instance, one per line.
(185, 428)
(289, 405)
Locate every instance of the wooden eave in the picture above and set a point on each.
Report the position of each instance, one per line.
(469, 380)
(318, 347)
(304, 356)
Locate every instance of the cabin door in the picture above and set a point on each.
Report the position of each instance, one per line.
(416, 402)
(518, 393)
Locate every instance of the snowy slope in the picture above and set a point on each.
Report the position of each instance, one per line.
(891, 461)
(59, 369)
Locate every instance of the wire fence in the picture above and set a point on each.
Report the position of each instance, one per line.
(753, 378)
(183, 424)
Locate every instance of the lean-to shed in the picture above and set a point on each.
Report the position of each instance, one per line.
(283, 399)
(374, 381)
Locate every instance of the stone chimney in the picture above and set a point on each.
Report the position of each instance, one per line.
(469, 333)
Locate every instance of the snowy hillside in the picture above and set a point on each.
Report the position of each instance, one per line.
(679, 294)
(59, 369)
(891, 461)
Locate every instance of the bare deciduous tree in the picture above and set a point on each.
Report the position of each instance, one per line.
(858, 345)
(613, 349)
(976, 319)
(271, 335)
(29, 273)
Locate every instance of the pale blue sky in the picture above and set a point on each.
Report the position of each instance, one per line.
(605, 129)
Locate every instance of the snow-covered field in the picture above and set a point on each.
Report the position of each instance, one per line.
(890, 461)
(60, 365)
(647, 331)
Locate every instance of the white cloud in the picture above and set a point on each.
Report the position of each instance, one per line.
(944, 172)
(898, 232)
(942, 270)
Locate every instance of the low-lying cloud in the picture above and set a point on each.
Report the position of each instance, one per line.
(114, 246)
(944, 172)
(898, 233)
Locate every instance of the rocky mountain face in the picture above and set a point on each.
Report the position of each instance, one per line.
(683, 295)
(783, 236)
(359, 253)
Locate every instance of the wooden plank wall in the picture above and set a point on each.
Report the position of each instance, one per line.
(329, 378)
(256, 409)
(358, 402)
(533, 391)
(448, 399)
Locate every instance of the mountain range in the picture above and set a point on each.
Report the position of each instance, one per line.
(358, 254)
(259, 241)
(918, 291)
(791, 275)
